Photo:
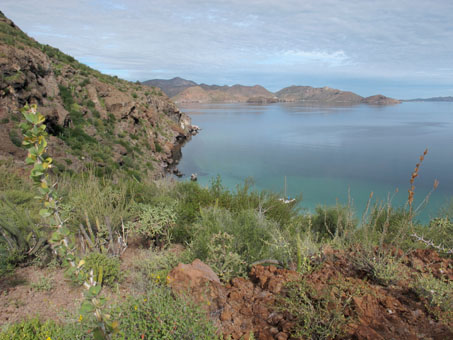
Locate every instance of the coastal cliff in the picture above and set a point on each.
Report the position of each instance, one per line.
(92, 118)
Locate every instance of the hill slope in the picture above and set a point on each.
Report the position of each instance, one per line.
(171, 87)
(214, 93)
(92, 118)
(328, 95)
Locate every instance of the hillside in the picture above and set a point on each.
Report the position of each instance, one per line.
(170, 87)
(93, 118)
(213, 93)
(329, 96)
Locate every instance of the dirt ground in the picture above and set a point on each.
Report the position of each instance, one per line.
(246, 305)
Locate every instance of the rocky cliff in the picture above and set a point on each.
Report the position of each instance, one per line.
(92, 118)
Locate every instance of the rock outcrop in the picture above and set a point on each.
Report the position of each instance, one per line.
(369, 310)
(92, 118)
(379, 99)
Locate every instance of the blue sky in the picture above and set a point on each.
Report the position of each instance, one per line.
(399, 48)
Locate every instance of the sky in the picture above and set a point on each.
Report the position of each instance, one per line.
(399, 48)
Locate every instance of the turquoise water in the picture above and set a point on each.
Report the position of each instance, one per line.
(325, 152)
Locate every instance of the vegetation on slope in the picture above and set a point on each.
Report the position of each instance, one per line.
(95, 119)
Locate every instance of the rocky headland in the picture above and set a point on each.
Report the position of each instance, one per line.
(92, 118)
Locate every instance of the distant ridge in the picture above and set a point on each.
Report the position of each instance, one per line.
(433, 99)
(171, 87)
(186, 91)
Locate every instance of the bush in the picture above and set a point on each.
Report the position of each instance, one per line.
(439, 293)
(316, 315)
(96, 198)
(15, 139)
(247, 234)
(329, 222)
(379, 265)
(110, 267)
(440, 232)
(154, 223)
(34, 329)
(158, 315)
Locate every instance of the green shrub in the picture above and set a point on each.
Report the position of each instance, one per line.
(223, 259)
(329, 222)
(440, 232)
(438, 292)
(379, 265)
(43, 284)
(316, 315)
(109, 266)
(158, 315)
(15, 139)
(157, 146)
(250, 235)
(154, 266)
(154, 222)
(66, 97)
(96, 198)
(34, 329)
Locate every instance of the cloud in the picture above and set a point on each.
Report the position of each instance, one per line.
(235, 40)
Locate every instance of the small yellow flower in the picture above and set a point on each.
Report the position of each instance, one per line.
(135, 307)
(158, 277)
(49, 338)
(145, 300)
(80, 318)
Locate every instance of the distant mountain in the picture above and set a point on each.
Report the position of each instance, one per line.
(328, 95)
(311, 94)
(214, 93)
(171, 87)
(379, 99)
(433, 99)
(186, 91)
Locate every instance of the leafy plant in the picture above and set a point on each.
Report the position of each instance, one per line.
(223, 259)
(34, 131)
(439, 293)
(158, 315)
(316, 314)
(154, 222)
(101, 265)
(34, 329)
(43, 284)
(380, 265)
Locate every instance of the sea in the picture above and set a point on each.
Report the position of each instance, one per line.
(328, 154)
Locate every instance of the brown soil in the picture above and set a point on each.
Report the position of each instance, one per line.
(246, 306)
(374, 311)
(19, 300)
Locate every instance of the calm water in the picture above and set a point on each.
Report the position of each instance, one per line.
(325, 151)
